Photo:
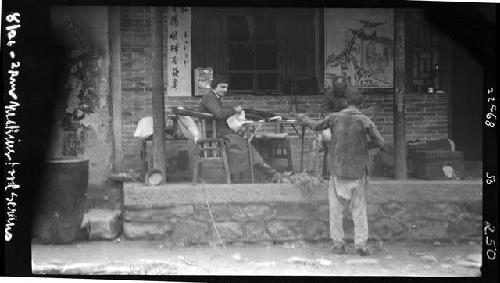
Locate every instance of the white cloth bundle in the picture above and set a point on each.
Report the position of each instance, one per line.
(189, 128)
(326, 135)
(236, 121)
(144, 128)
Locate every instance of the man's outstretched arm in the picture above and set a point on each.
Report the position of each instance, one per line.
(317, 125)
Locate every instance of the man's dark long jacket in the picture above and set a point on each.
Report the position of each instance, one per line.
(212, 104)
(352, 135)
(237, 147)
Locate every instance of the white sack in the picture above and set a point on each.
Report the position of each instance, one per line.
(144, 128)
(326, 135)
(189, 128)
(236, 121)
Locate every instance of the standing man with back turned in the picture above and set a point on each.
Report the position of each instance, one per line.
(353, 134)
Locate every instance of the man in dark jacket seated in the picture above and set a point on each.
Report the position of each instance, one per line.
(236, 146)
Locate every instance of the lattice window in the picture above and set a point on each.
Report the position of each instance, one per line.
(422, 52)
(253, 53)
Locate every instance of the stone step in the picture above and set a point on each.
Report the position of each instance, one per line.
(102, 224)
(105, 196)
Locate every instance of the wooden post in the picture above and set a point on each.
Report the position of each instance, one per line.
(159, 161)
(400, 158)
(115, 84)
(317, 50)
(446, 67)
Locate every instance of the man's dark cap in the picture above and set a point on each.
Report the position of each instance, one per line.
(354, 96)
(339, 83)
(219, 79)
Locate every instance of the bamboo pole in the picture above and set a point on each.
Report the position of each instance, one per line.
(159, 161)
(400, 158)
(115, 84)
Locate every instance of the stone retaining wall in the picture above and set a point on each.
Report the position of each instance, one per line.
(279, 212)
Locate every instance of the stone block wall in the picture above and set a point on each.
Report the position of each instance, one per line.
(279, 212)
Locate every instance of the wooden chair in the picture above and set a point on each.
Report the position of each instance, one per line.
(205, 149)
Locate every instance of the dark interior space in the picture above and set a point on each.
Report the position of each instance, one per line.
(472, 28)
(466, 104)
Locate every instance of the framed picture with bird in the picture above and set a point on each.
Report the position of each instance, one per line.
(359, 46)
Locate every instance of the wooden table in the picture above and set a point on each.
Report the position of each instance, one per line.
(249, 130)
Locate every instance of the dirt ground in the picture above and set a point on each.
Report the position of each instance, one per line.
(296, 259)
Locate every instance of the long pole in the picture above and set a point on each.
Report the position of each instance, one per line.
(400, 158)
(115, 84)
(159, 161)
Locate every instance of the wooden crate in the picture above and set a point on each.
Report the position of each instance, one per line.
(275, 151)
(177, 157)
(430, 164)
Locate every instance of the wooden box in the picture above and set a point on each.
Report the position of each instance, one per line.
(437, 164)
(275, 151)
(177, 157)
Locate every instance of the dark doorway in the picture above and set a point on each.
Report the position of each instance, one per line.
(466, 103)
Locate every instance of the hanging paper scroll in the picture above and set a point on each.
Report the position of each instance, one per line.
(179, 51)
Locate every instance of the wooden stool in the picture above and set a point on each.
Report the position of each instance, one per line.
(207, 151)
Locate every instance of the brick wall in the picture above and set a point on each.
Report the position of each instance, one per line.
(426, 114)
